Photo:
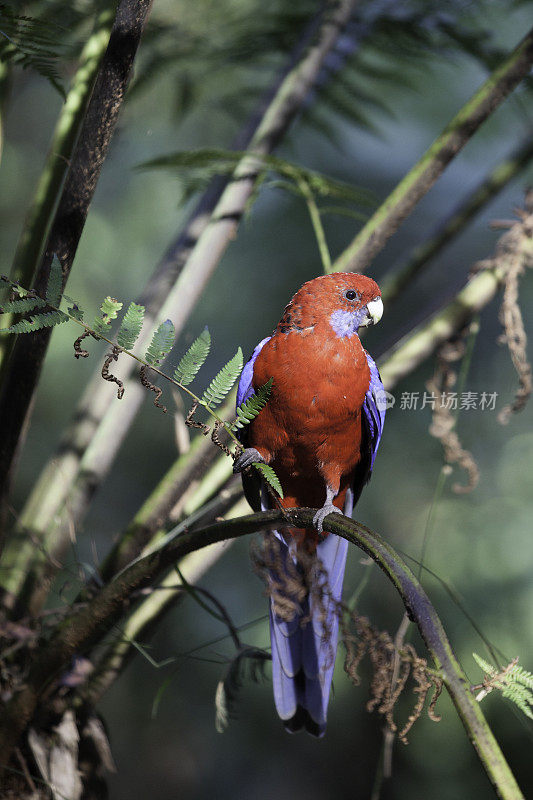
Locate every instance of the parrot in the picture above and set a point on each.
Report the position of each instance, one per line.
(319, 430)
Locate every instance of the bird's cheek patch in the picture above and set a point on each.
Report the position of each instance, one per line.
(344, 323)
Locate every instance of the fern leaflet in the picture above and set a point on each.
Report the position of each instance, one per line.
(31, 43)
(131, 325)
(223, 381)
(212, 161)
(55, 282)
(514, 682)
(249, 410)
(193, 359)
(37, 322)
(270, 476)
(161, 343)
(109, 311)
(22, 305)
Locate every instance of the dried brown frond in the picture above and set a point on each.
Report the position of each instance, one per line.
(147, 383)
(443, 419)
(215, 437)
(422, 687)
(108, 376)
(192, 423)
(286, 583)
(392, 668)
(79, 351)
(514, 254)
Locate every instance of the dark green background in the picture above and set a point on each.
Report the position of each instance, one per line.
(480, 543)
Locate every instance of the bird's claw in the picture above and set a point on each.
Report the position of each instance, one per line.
(247, 458)
(322, 513)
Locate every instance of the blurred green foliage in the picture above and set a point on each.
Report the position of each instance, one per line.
(202, 68)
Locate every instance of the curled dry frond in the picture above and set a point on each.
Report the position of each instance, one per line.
(147, 383)
(443, 419)
(108, 376)
(514, 254)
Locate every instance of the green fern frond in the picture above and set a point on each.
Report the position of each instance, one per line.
(223, 381)
(31, 43)
(109, 311)
(249, 410)
(22, 305)
(208, 162)
(130, 327)
(487, 668)
(161, 343)
(522, 676)
(514, 682)
(55, 282)
(270, 476)
(37, 322)
(521, 697)
(193, 359)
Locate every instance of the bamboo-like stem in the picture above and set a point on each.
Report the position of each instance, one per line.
(399, 204)
(32, 239)
(82, 629)
(184, 474)
(40, 213)
(455, 223)
(72, 483)
(24, 365)
(4, 77)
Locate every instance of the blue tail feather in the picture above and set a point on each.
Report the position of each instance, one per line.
(303, 652)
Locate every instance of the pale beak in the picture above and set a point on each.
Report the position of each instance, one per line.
(374, 312)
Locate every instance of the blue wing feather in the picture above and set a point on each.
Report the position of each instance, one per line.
(374, 411)
(245, 388)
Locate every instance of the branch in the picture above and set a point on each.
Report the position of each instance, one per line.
(100, 427)
(83, 629)
(455, 223)
(24, 367)
(398, 205)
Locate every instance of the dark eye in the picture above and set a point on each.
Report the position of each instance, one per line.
(351, 295)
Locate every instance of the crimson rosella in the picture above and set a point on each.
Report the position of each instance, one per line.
(320, 431)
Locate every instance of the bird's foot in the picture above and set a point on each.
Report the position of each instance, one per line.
(247, 458)
(321, 514)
